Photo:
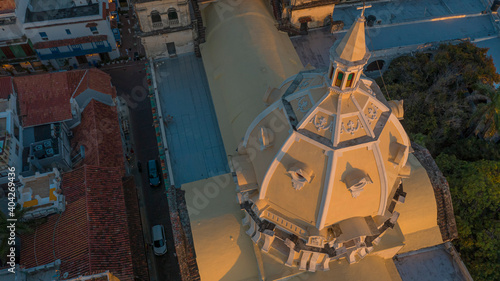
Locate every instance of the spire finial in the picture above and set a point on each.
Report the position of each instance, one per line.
(363, 9)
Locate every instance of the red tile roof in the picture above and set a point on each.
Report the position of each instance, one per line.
(99, 133)
(7, 6)
(139, 258)
(73, 41)
(92, 234)
(112, 7)
(45, 98)
(5, 87)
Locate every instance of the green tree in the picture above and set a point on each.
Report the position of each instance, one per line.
(475, 190)
(486, 119)
(452, 108)
(439, 89)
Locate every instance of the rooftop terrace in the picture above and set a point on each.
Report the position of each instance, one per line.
(46, 10)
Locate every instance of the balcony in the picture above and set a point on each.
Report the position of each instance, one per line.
(173, 23)
(4, 150)
(157, 25)
(74, 53)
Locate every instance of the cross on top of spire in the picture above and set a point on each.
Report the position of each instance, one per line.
(363, 9)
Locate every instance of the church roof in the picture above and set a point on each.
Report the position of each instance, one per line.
(337, 135)
(353, 47)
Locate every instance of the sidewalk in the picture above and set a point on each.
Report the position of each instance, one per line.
(130, 41)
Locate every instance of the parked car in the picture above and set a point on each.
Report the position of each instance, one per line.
(154, 177)
(159, 240)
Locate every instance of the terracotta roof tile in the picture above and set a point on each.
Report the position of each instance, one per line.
(7, 6)
(99, 133)
(108, 233)
(92, 234)
(72, 41)
(45, 98)
(139, 258)
(5, 87)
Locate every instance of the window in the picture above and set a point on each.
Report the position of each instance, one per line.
(300, 175)
(17, 149)
(171, 48)
(173, 18)
(330, 75)
(94, 30)
(68, 31)
(55, 50)
(99, 44)
(156, 19)
(44, 36)
(172, 14)
(340, 76)
(77, 47)
(16, 131)
(350, 78)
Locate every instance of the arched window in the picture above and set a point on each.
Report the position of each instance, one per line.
(338, 81)
(350, 79)
(173, 17)
(156, 18)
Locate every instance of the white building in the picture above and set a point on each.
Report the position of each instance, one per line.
(69, 32)
(166, 27)
(10, 130)
(15, 47)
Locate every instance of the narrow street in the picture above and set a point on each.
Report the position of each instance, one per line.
(130, 84)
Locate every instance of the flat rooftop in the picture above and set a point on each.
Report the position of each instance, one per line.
(314, 47)
(193, 136)
(45, 10)
(401, 11)
(431, 264)
(41, 186)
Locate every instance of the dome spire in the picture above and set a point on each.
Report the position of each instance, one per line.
(353, 46)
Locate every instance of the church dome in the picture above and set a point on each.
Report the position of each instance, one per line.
(329, 149)
(323, 153)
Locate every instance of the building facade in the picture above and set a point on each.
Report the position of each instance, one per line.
(166, 27)
(11, 132)
(16, 50)
(70, 32)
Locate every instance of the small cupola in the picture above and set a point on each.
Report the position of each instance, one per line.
(348, 57)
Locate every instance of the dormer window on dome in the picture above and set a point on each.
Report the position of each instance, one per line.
(356, 182)
(300, 175)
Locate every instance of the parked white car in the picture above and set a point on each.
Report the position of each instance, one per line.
(159, 241)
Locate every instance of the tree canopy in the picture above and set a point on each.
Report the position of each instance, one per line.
(453, 109)
(475, 191)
